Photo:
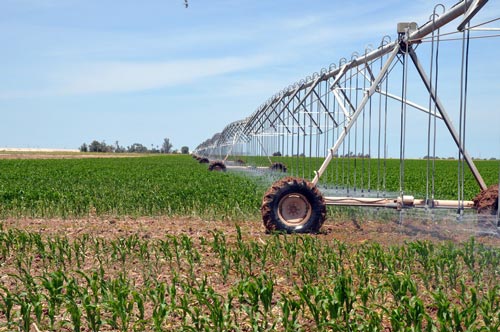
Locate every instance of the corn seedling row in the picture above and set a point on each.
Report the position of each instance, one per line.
(231, 283)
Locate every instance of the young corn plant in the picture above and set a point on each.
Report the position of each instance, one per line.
(8, 299)
(72, 303)
(345, 295)
(312, 298)
(220, 247)
(489, 309)
(255, 295)
(120, 302)
(158, 295)
(54, 284)
(26, 307)
(92, 311)
(80, 249)
(290, 310)
(444, 317)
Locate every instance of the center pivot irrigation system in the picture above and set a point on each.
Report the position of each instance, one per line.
(337, 125)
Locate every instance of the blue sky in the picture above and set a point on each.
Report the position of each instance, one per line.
(72, 71)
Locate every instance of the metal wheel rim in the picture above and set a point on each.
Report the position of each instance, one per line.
(294, 209)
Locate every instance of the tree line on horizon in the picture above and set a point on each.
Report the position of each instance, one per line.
(166, 147)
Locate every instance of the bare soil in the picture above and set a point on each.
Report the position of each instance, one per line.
(387, 232)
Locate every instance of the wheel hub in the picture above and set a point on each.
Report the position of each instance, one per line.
(294, 209)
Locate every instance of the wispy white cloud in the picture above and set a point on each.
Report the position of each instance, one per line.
(291, 41)
(301, 22)
(120, 77)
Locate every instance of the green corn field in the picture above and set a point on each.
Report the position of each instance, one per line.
(178, 186)
(201, 261)
(172, 185)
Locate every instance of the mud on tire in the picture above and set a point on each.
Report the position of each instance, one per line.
(217, 166)
(486, 202)
(293, 205)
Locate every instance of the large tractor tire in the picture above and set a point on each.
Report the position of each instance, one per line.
(217, 166)
(203, 161)
(293, 205)
(278, 167)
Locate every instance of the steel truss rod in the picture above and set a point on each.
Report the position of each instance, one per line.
(446, 119)
(308, 93)
(260, 121)
(281, 120)
(341, 101)
(355, 115)
(235, 140)
(473, 9)
(339, 73)
(264, 149)
(392, 96)
(335, 87)
(252, 122)
(287, 103)
(326, 108)
(345, 99)
(292, 112)
(409, 103)
(273, 111)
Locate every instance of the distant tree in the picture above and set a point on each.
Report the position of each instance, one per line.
(97, 146)
(166, 147)
(277, 154)
(154, 149)
(137, 148)
(84, 148)
(119, 148)
(185, 150)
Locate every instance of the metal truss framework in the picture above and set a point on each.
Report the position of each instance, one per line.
(328, 106)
